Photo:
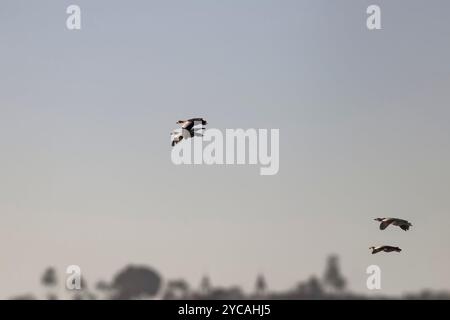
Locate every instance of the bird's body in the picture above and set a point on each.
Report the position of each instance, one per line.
(177, 137)
(385, 249)
(385, 222)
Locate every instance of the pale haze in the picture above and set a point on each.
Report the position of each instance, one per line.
(86, 176)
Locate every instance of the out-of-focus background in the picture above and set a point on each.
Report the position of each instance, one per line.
(85, 170)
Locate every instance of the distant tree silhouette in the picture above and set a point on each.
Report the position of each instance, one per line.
(311, 289)
(136, 282)
(314, 287)
(49, 280)
(205, 285)
(260, 286)
(333, 277)
(177, 289)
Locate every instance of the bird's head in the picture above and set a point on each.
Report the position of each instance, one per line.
(379, 219)
(180, 121)
(371, 248)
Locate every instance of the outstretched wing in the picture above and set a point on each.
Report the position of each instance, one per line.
(376, 250)
(187, 125)
(198, 121)
(385, 224)
(203, 121)
(405, 227)
(190, 123)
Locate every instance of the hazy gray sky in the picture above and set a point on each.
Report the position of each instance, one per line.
(85, 116)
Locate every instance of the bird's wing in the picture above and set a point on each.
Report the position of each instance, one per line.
(196, 119)
(405, 227)
(201, 120)
(187, 125)
(385, 223)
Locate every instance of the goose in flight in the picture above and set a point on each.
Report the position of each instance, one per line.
(385, 249)
(190, 123)
(188, 130)
(385, 222)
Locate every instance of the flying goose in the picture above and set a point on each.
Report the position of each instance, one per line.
(385, 249)
(385, 222)
(190, 123)
(188, 130)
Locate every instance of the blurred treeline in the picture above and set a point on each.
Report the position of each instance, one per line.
(143, 282)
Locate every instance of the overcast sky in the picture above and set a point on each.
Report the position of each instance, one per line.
(85, 170)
